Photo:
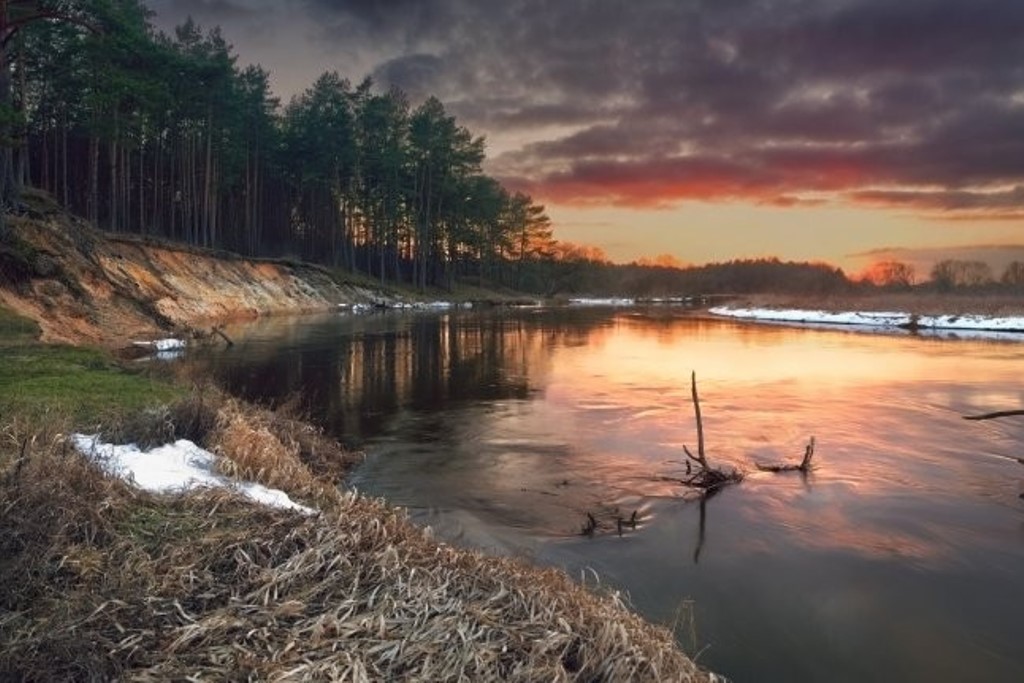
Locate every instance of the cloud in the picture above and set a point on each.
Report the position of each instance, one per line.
(415, 74)
(997, 202)
(212, 12)
(917, 104)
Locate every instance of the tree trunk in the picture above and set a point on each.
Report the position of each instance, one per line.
(64, 155)
(8, 188)
(208, 179)
(112, 164)
(22, 170)
(94, 179)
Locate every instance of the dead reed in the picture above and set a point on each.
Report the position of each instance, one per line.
(100, 581)
(257, 445)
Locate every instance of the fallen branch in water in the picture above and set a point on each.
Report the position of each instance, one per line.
(220, 333)
(605, 519)
(804, 465)
(992, 416)
(707, 478)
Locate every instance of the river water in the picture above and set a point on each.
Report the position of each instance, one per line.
(900, 557)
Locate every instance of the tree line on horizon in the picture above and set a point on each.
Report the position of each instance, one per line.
(947, 275)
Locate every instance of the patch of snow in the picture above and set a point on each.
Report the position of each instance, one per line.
(163, 344)
(174, 468)
(672, 300)
(610, 301)
(878, 319)
(973, 322)
(795, 315)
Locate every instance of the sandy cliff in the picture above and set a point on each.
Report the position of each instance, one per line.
(83, 285)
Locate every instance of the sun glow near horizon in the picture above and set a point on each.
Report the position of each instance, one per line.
(851, 238)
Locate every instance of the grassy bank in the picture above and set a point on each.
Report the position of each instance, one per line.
(81, 385)
(100, 581)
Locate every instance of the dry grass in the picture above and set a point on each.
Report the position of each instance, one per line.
(258, 445)
(103, 582)
(193, 417)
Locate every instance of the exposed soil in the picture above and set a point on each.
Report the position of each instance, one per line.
(84, 286)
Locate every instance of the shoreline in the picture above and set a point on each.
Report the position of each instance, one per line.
(839, 316)
(114, 581)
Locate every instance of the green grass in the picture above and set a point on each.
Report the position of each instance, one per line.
(153, 526)
(15, 329)
(39, 380)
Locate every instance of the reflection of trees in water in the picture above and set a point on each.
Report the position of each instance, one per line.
(355, 382)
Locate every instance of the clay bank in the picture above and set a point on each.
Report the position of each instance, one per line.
(84, 286)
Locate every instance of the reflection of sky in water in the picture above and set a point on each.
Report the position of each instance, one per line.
(898, 557)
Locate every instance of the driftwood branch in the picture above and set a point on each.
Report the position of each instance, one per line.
(219, 332)
(701, 458)
(602, 520)
(804, 465)
(708, 478)
(992, 416)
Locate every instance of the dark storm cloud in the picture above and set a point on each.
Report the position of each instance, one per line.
(670, 100)
(415, 74)
(218, 12)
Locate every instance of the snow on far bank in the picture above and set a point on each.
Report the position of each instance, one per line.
(174, 468)
(612, 301)
(877, 319)
(404, 305)
(973, 322)
(795, 315)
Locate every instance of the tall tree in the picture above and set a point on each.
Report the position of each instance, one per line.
(442, 154)
(14, 16)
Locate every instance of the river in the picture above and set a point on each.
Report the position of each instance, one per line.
(900, 557)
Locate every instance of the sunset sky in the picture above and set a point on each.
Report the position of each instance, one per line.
(837, 130)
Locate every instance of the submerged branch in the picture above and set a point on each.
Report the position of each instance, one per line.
(804, 465)
(992, 416)
(700, 423)
(707, 478)
(220, 333)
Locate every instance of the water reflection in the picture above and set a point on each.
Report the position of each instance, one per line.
(353, 373)
(898, 556)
